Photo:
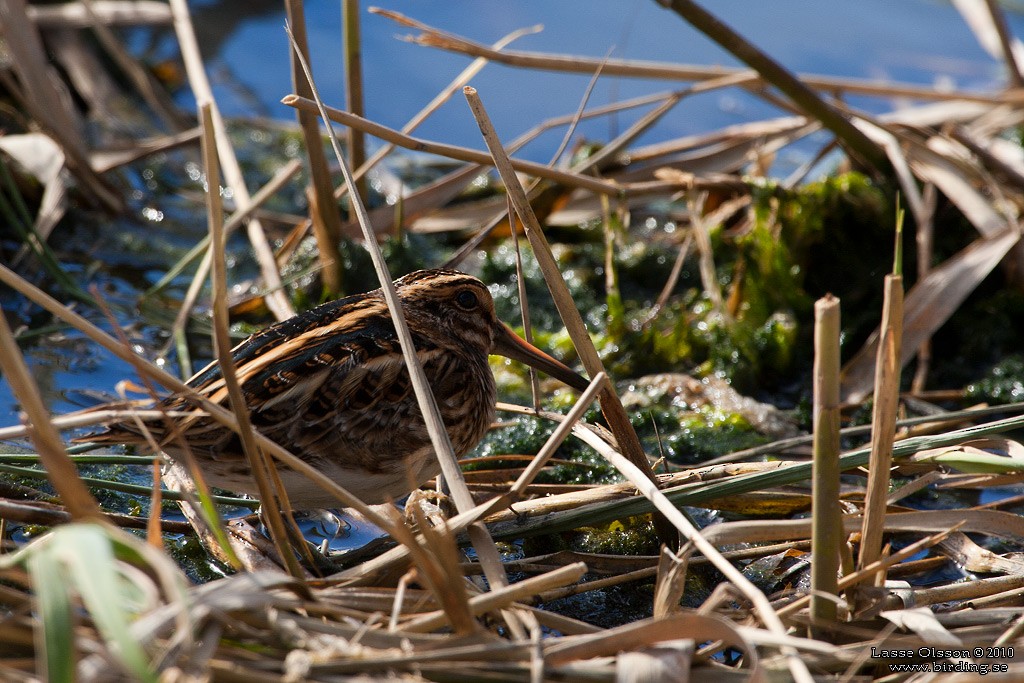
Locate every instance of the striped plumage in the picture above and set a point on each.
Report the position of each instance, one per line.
(331, 386)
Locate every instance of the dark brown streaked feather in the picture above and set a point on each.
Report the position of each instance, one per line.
(331, 386)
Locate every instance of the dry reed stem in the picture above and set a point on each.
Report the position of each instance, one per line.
(883, 419)
(601, 584)
(436, 559)
(484, 544)
(352, 65)
(510, 214)
(382, 565)
(423, 114)
(437, 193)
(108, 160)
(645, 633)
(827, 514)
(453, 151)
(671, 584)
(45, 514)
(91, 417)
(323, 209)
(687, 72)
(990, 522)
(274, 498)
(282, 176)
(561, 432)
(570, 315)
(277, 302)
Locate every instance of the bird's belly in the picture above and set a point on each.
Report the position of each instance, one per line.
(378, 453)
(384, 484)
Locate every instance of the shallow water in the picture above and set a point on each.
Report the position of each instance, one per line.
(916, 41)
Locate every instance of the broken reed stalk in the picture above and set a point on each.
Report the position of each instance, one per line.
(826, 525)
(883, 412)
(273, 500)
(883, 419)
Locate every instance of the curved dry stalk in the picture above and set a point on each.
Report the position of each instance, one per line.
(273, 496)
(561, 432)
(611, 406)
(686, 72)
(452, 151)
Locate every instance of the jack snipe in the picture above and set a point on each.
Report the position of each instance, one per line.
(331, 386)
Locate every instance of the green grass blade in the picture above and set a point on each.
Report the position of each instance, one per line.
(55, 617)
(87, 550)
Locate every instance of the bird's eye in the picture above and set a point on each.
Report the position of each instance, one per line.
(466, 300)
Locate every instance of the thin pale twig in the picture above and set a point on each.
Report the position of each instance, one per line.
(277, 302)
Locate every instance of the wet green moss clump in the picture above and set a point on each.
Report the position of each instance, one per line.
(634, 537)
(526, 435)
(791, 247)
(690, 437)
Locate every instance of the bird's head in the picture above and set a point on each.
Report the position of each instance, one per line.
(462, 310)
